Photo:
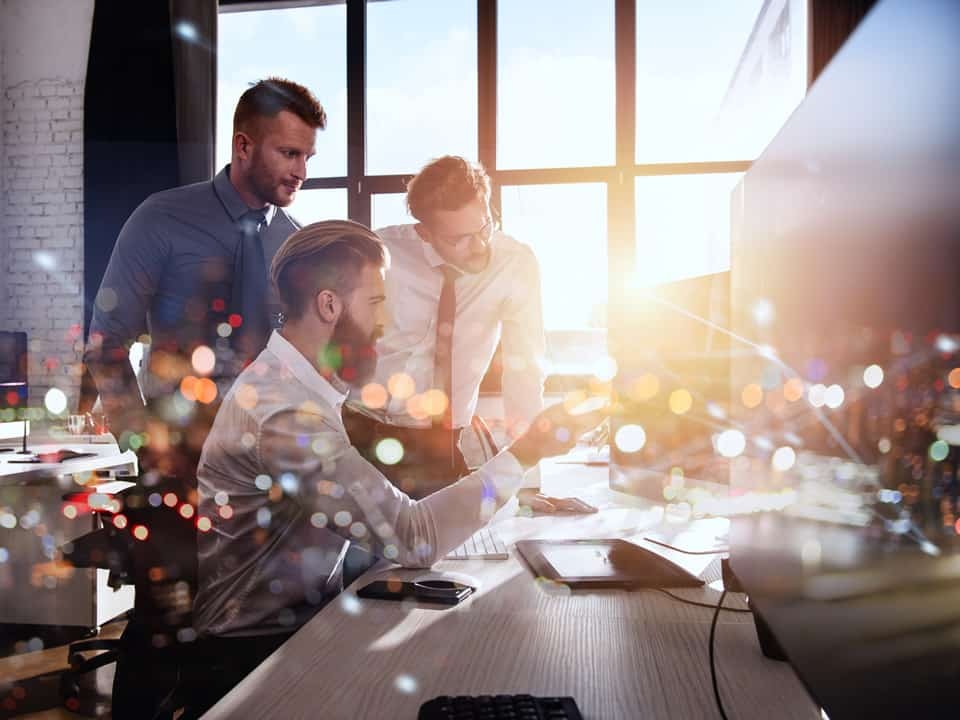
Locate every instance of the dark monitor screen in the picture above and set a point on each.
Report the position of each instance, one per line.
(845, 287)
(13, 370)
(845, 282)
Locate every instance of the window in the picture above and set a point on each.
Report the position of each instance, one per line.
(555, 83)
(698, 95)
(421, 83)
(311, 206)
(566, 226)
(307, 45)
(390, 209)
(683, 226)
(588, 172)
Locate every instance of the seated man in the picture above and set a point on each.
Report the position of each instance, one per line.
(286, 492)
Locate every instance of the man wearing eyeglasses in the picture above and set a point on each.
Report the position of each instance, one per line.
(457, 286)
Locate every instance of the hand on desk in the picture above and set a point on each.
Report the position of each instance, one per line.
(538, 502)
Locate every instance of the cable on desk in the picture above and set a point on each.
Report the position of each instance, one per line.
(700, 604)
(718, 551)
(713, 667)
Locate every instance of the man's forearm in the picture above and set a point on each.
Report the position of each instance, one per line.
(525, 456)
(118, 389)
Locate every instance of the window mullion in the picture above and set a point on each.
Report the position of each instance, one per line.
(621, 223)
(358, 196)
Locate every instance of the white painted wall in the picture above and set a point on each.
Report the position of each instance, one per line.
(46, 39)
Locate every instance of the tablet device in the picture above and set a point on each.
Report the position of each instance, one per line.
(602, 564)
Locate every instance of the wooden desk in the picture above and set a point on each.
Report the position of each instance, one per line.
(619, 654)
(107, 456)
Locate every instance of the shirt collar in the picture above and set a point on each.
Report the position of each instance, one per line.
(304, 371)
(432, 256)
(231, 200)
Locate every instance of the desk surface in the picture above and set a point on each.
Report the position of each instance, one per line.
(619, 654)
(106, 456)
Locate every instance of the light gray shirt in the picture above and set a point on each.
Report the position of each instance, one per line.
(286, 493)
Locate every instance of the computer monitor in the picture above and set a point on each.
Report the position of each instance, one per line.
(13, 373)
(673, 361)
(845, 291)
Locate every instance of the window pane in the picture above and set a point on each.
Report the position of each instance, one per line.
(683, 226)
(727, 88)
(315, 205)
(389, 209)
(306, 45)
(421, 83)
(566, 226)
(555, 81)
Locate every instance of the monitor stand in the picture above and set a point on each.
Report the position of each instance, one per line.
(768, 642)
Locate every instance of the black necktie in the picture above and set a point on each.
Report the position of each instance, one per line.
(250, 296)
(443, 359)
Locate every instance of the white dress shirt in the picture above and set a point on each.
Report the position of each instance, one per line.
(279, 458)
(501, 303)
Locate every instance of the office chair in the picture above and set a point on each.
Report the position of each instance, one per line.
(161, 563)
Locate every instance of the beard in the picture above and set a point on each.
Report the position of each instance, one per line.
(358, 354)
(267, 187)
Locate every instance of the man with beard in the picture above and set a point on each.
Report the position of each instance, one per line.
(190, 267)
(286, 493)
(457, 286)
(188, 277)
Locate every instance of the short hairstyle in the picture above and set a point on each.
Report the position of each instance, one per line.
(269, 97)
(327, 255)
(447, 183)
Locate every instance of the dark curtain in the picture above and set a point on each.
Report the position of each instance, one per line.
(130, 124)
(194, 25)
(135, 114)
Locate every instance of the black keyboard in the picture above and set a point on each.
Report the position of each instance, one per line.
(497, 707)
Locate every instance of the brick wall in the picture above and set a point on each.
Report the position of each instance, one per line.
(42, 228)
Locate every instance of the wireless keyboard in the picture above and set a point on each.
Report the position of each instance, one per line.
(484, 544)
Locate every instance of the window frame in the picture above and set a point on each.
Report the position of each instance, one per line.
(619, 178)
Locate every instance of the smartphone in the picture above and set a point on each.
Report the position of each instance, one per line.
(445, 592)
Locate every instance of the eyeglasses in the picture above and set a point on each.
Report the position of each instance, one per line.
(484, 235)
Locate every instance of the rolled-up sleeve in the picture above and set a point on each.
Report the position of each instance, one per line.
(313, 461)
